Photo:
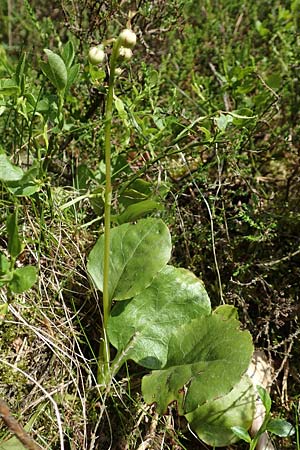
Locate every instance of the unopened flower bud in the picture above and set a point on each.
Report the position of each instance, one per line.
(128, 38)
(96, 55)
(125, 53)
(118, 71)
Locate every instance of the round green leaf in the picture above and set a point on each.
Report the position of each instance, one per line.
(206, 358)
(175, 296)
(137, 253)
(23, 279)
(213, 421)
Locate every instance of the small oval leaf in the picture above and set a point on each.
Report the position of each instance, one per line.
(280, 427)
(55, 69)
(138, 210)
(265, 398)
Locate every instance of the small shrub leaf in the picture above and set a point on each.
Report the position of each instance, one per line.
(4, 264)
(280, 427)
(27, 185)
(68, 54)
(265, 398)
(227, 312)
(55, 69)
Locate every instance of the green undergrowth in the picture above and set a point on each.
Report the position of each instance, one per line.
(205, 136)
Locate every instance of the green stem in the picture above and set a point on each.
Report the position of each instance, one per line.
(104, 353)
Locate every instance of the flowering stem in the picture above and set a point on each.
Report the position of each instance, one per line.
(104, 353)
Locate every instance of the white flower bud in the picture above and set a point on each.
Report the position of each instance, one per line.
(96, 55)
(125, 53)
(127, 38)
(118, 71)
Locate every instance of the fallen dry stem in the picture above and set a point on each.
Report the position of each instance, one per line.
(17, 429)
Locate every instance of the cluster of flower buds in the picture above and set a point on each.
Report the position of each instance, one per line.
(127, 40)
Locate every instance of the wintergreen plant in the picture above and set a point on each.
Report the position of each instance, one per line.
(160, 316)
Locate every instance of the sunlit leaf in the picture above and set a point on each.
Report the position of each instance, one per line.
(137, 253)
(213, 421)
(175, 296)
(206, 358)
(55, 69)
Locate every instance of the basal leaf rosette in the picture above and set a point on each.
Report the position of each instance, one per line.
(137, 253)
(175, 296)
(206, 359)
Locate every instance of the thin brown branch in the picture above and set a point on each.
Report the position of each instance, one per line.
(17, 429)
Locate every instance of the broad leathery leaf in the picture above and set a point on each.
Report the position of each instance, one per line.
(14, 244)
(8, 171)
(55, 69)
(137, 253)
(213, 421)
(175, 296)
(206, 358)
(23, 279)
(280, 427)
(138, 210)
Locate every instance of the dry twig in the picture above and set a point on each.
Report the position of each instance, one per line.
(17, 429)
